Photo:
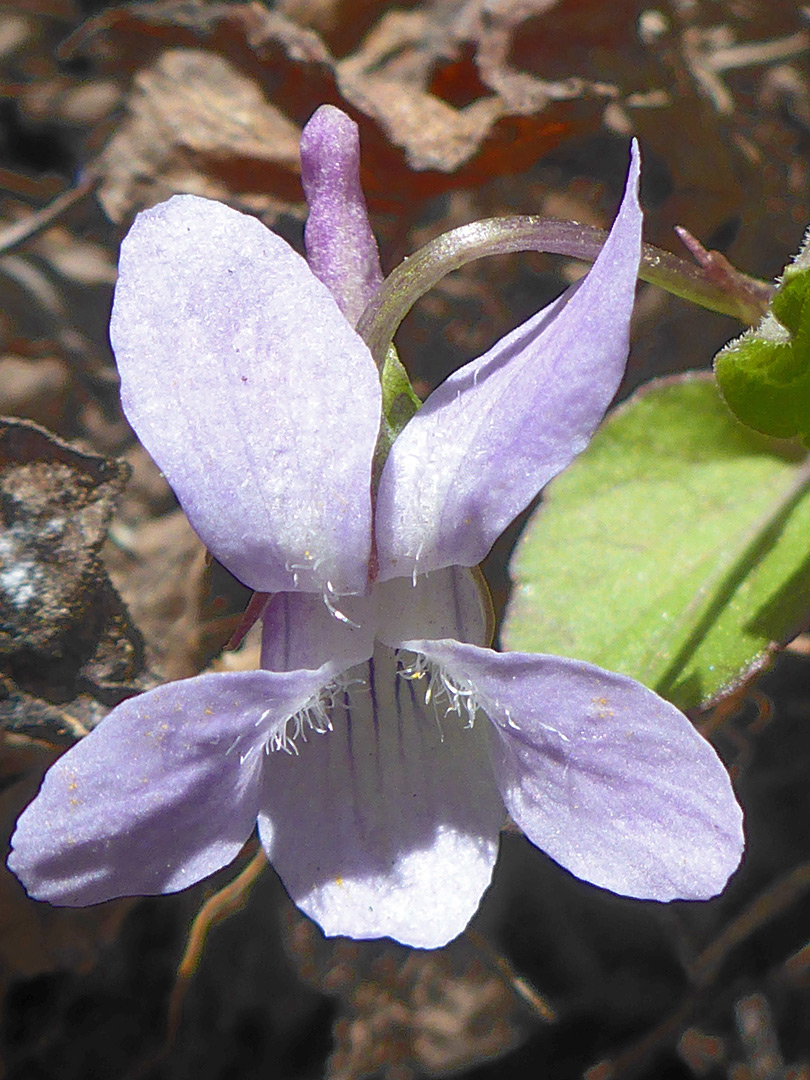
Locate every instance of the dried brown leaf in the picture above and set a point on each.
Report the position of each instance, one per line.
(440, 85)
(406, 1012)
(434, 134)
(185, 605)
(35, 388)
(196, 124)
(394, 83)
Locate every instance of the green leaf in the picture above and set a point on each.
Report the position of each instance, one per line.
(676, 549)
(765, 374)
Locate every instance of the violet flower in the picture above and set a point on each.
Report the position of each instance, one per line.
(408, 738)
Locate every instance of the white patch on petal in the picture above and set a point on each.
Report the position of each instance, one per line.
(391, 908)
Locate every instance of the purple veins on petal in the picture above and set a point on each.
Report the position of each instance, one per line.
(243, 380)
(389, 825)
(341, 249)
(300, 631)
(496, 431)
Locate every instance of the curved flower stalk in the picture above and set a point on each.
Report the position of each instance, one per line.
(382, 743)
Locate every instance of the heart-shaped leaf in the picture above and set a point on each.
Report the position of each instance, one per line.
(676, 549)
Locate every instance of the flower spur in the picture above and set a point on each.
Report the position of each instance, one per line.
(409, 739)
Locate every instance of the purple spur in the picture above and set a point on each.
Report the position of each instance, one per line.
(382, 743)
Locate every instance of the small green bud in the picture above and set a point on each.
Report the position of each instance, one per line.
(764, 375)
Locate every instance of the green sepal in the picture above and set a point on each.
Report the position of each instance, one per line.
(399, 404)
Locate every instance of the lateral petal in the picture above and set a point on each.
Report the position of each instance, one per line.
(341, 249)
(609, 779)
(496, 431)
(252, 393)
(162, 793)
(386, 826)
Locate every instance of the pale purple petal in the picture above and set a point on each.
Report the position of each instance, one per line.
(251, 391)
(341, 249)
(496, 431)
(386, 826)
(609, 779)
(299, 630)
(163, 792)
(302, 630)
(449, 603)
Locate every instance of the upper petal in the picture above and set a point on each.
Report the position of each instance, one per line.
(251, 391)
(496, 431)
(608, 778)
(341, 249)
(387, 825)
(163, 792)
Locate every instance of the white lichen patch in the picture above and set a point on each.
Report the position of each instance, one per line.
(20, 575)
